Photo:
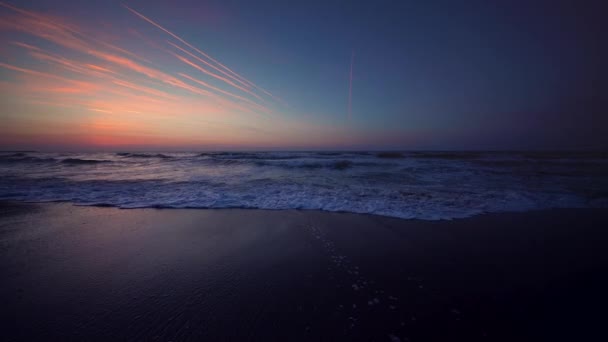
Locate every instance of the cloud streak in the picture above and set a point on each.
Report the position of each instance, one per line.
(206, 71)
(110, 64)
(244, 81)
(71, 75)
(350, 87)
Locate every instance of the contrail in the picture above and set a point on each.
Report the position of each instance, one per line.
(181, 40)
(350, 86)
(183, 59)
(238, 77)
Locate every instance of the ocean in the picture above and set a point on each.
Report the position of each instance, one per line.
(411, 185)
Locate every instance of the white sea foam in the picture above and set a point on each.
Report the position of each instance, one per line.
(426, 186)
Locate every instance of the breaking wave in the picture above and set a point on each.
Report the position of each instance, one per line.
(422, 185)
(78, 161)
(143, 155)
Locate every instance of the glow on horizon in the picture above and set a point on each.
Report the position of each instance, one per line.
(275, 75)
(88, 91)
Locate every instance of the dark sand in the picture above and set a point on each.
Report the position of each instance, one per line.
(85, 273)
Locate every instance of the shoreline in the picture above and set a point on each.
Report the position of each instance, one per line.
(11, 203)
(99, 273)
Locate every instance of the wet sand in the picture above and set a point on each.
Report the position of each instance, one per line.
(89, 273)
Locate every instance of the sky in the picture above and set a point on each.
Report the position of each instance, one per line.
(292, 75)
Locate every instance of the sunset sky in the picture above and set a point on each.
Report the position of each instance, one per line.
(198, 74)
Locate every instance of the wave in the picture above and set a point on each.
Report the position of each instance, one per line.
(24, 158)
(544, 155)
(424, 185)
(331, 153)
(253, 156)
(143, 155)
(358, 196)
(78, 161)
(17, 155)
(390, 155)
(335, 165)
(296, 163)
(521, 155)
(349, 153)
(282, 155)
(447, 155)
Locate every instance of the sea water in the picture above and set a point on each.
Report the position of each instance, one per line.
(421, 185)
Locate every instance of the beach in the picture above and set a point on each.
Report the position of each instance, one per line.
(99, 273)
(400, 171)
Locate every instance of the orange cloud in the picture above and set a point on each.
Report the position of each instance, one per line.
(101, 94)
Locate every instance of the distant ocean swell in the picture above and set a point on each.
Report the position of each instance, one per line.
(422, 185)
